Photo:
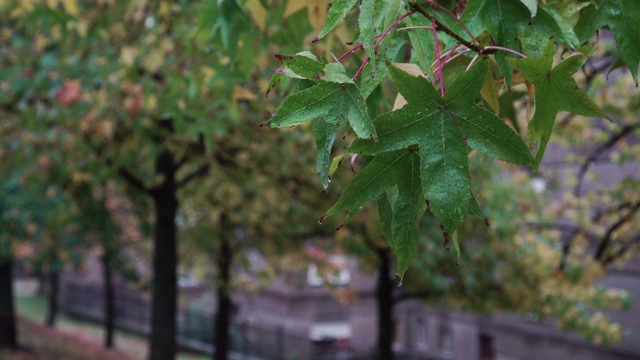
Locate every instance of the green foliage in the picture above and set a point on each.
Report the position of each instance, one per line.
(446, 117)
(621, 17)
(555, 91)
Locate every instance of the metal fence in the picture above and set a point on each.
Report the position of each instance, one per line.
(196, 329)
(132, 311)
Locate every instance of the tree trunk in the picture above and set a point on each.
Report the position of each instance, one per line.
(165, 260)
(54, 285)
(109, 300)
(223, 316)
(8, 334)
(384, 295)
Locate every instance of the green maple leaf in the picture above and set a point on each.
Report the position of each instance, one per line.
(556, 91)
(337, 12)
(622, 17)
(325, 130)
(303, 65)
(332, 103)
(510, 20)
(399, 168)
(443, 128)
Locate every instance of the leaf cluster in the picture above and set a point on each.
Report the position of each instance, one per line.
(448, 106)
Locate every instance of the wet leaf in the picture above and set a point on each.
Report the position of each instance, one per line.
(555, 90)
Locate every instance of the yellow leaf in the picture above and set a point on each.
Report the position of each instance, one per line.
(489, 92)
(167, 45)
(40, 42)
(151, 103)
(241, 93)
(207, 74)
(80, 26)
(71, 6)
(258, 13)
(316, 11)
(154, 60)
(24, 7)
(293, 6)
(165, 9)
(128, 55)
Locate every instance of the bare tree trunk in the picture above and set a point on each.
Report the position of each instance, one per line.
(384, 295)
(54, 285)
(223, 316)
(165, 260)
(109, 303)
(8, 333)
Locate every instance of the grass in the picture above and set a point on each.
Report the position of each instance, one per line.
(77, 335)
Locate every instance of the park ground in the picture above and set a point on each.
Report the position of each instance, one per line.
(70, 339)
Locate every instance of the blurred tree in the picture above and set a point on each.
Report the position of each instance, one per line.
(143, 92)
(237, 208)
(8, 334)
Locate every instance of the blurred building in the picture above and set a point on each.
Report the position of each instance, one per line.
(424, 333)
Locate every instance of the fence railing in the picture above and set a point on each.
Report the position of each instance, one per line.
(196, 329)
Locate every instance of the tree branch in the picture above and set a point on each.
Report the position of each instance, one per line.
(621, 251)
(134, 181)
(566, 248)
(413, 6)
(566, 242)
(197, 173)
(593, 156)
(606, 240)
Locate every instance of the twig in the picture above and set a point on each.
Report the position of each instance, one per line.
(598, 151)
(599, 256)
(464, 27)
(471, 45)
(437, 47)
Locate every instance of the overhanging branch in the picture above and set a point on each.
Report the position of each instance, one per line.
(197, 173)
(593, 156)
(600, 254)
(134, 181)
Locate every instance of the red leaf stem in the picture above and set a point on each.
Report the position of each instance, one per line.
(456, 56)
(386, 32)
(364, 63)
(491, 47)
(473, 61)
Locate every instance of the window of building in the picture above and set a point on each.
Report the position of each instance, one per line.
(397, 334)
(446, 338)
(486, 347)
(422, 337)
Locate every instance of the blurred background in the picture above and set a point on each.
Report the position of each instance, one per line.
(146, 212)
